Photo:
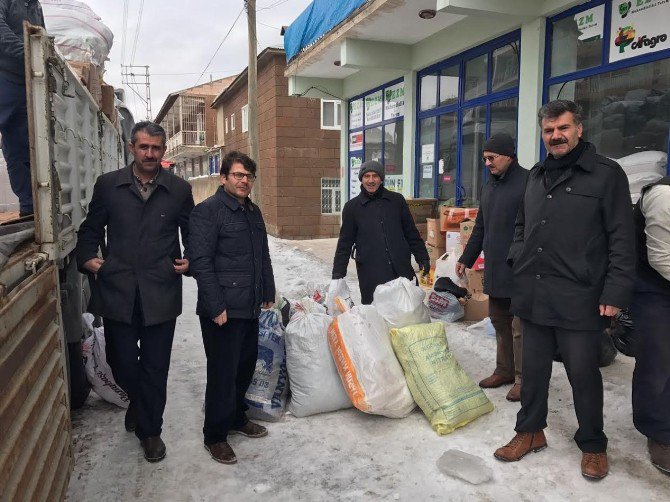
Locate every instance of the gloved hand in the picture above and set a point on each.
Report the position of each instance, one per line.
(425, 268)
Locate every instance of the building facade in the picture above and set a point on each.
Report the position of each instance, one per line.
(424, 83)
(299, 146)
(190, 125)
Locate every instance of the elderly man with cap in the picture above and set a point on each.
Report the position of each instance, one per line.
(493, 233)
(379, 233)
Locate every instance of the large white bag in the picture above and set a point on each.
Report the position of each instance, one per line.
(372, 376)
(315, 384)
(400, 303)
(338, 289)
(267, 393)
(98, 371)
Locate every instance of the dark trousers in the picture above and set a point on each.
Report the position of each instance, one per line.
(142, 371)
(580, 351)
(232, 350)
(15, 142)
(508, 338)
(651, 378)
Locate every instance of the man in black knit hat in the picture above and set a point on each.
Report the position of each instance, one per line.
(573, 259)
(379, 233)
(493, 232)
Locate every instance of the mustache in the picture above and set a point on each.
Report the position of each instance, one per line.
(557, 142)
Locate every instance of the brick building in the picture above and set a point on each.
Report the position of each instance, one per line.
(190, 125)
(299, 143)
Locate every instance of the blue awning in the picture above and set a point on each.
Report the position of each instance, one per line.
(316, 20)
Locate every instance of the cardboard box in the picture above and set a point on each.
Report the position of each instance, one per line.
(467, 226)
(420, 209)
(475, 281)
(451, 217)
(423, 230)
(477, 307)
(433, 235)
(89, 74)
(453, 241)
(108, 98)
(434, 253)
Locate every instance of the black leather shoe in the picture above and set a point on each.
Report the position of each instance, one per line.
(154, 449)
(131, 418)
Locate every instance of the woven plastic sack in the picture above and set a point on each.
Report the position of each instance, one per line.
(267, 394)
(338, 297)
(315, 384)
(447, 395)
(444, 306)
(361, 346)
(400, 303)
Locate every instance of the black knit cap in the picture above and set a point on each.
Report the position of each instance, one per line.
(371, 166)
(501, 143)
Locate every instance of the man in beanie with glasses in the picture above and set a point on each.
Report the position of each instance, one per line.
(379, 233)
(493, 233)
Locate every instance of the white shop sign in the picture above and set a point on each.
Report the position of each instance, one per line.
(394, 101)
(638, 27)
(373, 108)
(354, 183)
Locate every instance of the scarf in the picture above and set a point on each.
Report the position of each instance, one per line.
(555, 167)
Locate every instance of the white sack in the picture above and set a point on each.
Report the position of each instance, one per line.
(338, 289)
(400, 303)
(313, 379)
(644, 162)
(640, 180)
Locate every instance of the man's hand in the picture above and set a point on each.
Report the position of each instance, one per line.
(425, 268)
(608, 310)
(181, 266)
(221, 319)
(460, 269)
(93, 265)
(267, 305)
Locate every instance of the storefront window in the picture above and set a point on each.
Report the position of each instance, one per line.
(447, 163)
(475, 77)
(428, 92)
(504, 117)
(393, 145)
(577, 41)
(373, 144)
(427, 158)
(625, 111)
(505, 72)
(473, 135)
(449, 85)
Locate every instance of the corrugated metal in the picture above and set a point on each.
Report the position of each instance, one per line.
(72, 143)
(35, 449)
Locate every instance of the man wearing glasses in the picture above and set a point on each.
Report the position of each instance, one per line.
(493, 233)
(231, 263)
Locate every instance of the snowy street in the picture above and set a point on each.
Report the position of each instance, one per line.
(348, 455)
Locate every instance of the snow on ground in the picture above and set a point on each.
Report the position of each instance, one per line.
(348, 455)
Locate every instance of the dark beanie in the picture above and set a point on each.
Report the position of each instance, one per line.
(502, 144)
(371, 166)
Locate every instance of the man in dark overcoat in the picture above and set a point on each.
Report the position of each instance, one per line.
(573, 258)
(379, 233)
(136, 286)
(493, 233)
(230, 259)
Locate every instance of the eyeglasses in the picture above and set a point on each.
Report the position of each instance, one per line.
(241, 176)
(490, 158)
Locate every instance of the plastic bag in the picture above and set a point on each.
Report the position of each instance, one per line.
(446, 394)
(444, 306)
(482, 328)
(361, 346)
(623, 333)
(315, 384)
(98, 372)
(338, 289)
(400, 303)
(268, 391)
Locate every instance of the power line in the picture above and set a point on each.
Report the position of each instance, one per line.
(263, 24)
(272, 5)
(125, 29)
(137, 32)
(219, 47)
(230, 72)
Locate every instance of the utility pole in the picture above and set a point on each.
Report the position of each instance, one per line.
(129, 73)
(252, 97)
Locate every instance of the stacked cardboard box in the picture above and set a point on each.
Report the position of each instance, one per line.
(89, 74)
(435, 243)
(420, 209)
(477, 306)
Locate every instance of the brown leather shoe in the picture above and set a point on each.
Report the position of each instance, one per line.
(522, 444)
(660, 455)
(594, 465)
(250, 430)
(130, 420)
(495, 381)
(154, 449)
(222, 452)
(514, 393)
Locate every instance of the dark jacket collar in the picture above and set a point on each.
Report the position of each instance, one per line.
(231, 201)
(383, 194)
(511, 171)
(586, 160)
(127, 177)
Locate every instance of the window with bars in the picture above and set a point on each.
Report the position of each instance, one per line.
(331, 196)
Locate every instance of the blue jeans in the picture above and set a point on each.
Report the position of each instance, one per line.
(15, 142)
